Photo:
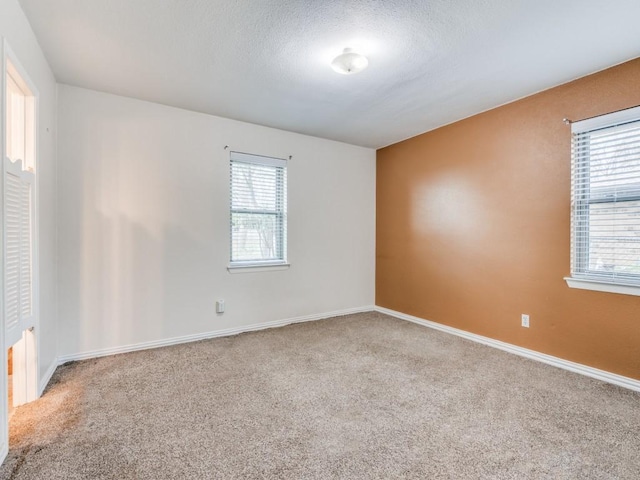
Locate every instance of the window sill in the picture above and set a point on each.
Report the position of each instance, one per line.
(257, 267)
(600, 286)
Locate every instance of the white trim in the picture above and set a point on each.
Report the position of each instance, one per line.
(44, 381)
(4, 407)
(619, 380)
(4, 451)
(206, 335)
(6, 54)
(257, 267)
(602, 375)
(606, 120)
(257, 159)
(33, 362)
(601, 286)
(10, 54)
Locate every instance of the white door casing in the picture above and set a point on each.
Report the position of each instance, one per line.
(19, 308)
(4, 421)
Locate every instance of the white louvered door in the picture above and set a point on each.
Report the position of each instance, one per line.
(18, 250)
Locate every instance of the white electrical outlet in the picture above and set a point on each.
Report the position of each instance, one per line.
(220, 306)
(525, 320)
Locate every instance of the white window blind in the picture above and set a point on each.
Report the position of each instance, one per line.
(606, 198)
(258, 210)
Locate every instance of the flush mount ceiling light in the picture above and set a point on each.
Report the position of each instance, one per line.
(349, 62)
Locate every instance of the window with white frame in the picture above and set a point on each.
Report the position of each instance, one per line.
(605, 193)
(258, 210)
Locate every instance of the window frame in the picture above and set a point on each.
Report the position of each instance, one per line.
(582, 276)
(280, 212)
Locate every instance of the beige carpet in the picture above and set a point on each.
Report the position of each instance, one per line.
(358, 397)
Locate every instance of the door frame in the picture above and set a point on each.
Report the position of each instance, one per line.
(26, 362)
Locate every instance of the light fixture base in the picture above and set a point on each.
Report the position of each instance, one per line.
(349, 62)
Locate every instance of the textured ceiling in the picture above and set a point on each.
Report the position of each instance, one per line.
(267, 61)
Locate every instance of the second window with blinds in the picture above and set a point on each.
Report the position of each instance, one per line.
(258, 211)
(606, 203)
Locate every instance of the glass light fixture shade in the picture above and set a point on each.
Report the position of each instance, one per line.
(349, 62)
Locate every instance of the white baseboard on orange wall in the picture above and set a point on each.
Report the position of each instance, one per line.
(626, 382)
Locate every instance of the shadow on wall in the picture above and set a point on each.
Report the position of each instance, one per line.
(138, 274)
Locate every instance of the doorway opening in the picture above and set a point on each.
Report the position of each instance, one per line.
(22, 371)
(19, 239)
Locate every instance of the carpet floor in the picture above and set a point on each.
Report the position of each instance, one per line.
(363, 396)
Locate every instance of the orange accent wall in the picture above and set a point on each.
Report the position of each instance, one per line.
(473, 227)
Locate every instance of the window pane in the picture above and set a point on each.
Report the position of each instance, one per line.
(255, 237)
(614, 237)
(614, 160)
(254, 187)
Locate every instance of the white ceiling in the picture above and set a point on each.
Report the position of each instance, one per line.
(267, 61)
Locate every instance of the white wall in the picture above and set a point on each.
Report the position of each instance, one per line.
(143, 224)
(15, 29)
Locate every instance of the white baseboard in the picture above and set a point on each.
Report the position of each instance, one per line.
(4, 450)
(626, 382)
(203, 336)
(44, 381)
